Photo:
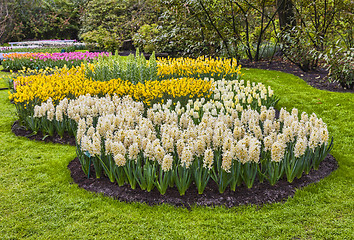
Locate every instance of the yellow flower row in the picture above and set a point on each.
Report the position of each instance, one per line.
(172, 88)
(71, 83)
(218, 67)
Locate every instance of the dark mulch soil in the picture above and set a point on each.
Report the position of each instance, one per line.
(20, 130)
(317, 79)
(259, 194)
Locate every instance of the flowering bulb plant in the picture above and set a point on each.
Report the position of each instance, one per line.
(201, 67)
(19, 61)
(138, 69)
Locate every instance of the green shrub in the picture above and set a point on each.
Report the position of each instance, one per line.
(299, 49)
(340, 64)
(103, 38)
(144, 38)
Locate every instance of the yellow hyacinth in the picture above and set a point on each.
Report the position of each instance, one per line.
(219, 67)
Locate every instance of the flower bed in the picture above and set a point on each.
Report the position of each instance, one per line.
(179, 131)
(141, 81)
(71, 83)
(19, 61)
(174, 145)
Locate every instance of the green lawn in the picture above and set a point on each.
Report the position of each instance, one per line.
(3, 82)
(38, 199)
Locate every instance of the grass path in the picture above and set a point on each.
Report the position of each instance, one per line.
(39, 201)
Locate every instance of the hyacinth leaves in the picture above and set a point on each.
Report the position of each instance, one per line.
(249, 173)
(182, 178)
(164, 180)
(145, 173)
(320, 153)
(221, 177)
(292, 167)
(108, 166)
(85, 160)
(129, 169)
(295, 166)
(201, 175)
(236, 179)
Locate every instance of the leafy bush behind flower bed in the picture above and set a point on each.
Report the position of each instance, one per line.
(340, 64)
(19, 61)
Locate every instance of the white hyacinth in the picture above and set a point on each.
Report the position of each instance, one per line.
(227, 161)
(208, 158)
(133, 151)
(278, 151)
(186, 157)
(196, 129)
(300, 147)
(254, 150)
(167, 163)
(120, 160)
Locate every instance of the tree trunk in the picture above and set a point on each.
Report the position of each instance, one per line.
(4, 16)
(286, 14)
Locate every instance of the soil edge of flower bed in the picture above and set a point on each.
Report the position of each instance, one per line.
(259, 194)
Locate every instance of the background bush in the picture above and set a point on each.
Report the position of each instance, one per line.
(40, 19)
(341, 66)
(109, 22)
(251, 29)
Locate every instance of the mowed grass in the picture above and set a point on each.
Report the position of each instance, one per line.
(38, 199)
(3, 81)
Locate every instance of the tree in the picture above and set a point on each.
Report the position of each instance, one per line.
(4, 17)
(109, 22)
(42, 19)
(286, 14)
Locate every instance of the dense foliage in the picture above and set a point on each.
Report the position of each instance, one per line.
(41, 19)
(109, 22)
